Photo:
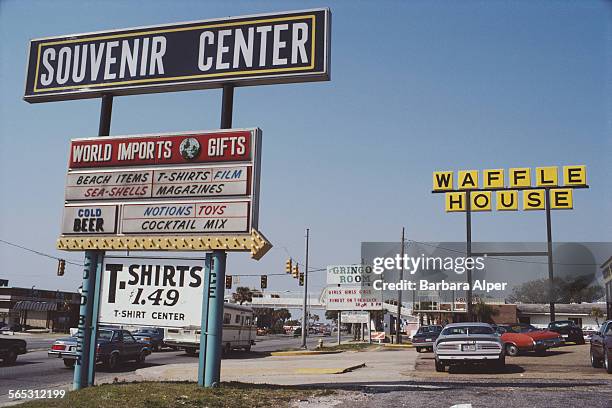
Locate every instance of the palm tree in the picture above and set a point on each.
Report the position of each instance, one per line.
(597, 314)
(242, 294)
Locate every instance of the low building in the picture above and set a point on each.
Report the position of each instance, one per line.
(38, 308)
(580, 313)
(606, 271)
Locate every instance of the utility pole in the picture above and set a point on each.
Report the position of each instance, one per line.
(304, 311)
(398, 320)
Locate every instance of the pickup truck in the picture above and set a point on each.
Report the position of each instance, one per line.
(10, 349)
(113, 346)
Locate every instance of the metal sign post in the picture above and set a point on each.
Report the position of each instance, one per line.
(204, 321)
(84, 371)
(212, 328)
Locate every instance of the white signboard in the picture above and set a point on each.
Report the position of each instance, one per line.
(151, 292)
(90, 219)
(202, 181)
(353, 298)
(190, 217)
(349, 275)
(354, 317)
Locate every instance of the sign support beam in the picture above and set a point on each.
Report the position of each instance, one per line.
(304, 306)
(204, 320)
(551, 285)
(214, 334)
(214, 298)
(84, 372)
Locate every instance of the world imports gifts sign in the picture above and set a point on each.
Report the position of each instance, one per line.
(184, 186)
(151, 292)
(246, 50)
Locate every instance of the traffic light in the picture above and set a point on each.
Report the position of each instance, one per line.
(288, 267)
(228, 282)
(296, 271)
(301, 278)
(61, 266)
(264, 281)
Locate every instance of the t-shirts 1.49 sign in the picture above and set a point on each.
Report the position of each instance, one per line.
(151, 292)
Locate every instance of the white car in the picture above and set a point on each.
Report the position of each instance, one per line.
(469, 343)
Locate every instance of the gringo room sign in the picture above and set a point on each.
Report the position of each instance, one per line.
(248, 50)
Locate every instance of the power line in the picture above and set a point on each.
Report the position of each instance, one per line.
(38, 252)
(504, 259)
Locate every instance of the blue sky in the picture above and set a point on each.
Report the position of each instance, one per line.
(416, 87)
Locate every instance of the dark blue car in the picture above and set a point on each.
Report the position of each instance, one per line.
(113, 347)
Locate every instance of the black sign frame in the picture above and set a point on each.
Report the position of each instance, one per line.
(310, 29)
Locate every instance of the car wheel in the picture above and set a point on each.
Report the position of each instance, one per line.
(418, 349)
(191, 351)
(156, 348)
(141, 357)
(607, 362)
(111, 361)
(595, 362)
(440, 367)
(11, 357)
(69, 363)
(580, 340)
(512, 350)
(247, 348)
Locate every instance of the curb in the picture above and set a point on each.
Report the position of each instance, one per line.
(303, 353)
(400, 346)
(328, 370)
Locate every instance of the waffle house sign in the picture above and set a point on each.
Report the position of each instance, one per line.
(509, 190)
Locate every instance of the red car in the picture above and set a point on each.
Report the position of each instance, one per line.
(519, 337)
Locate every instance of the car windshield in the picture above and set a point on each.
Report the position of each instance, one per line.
(520, 328)
(105, 335)
(467, 330)
(429, 329)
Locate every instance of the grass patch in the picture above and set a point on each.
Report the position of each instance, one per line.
(350, 347)
(184, 395)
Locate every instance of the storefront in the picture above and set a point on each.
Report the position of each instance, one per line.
(25, 308)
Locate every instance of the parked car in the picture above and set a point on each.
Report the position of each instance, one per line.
(468, 343)
(425, 337)
(153, 335)
(14, 327)
(113, 347)
(601, 347)
(520, 337)
(10, 349)
(569, 330)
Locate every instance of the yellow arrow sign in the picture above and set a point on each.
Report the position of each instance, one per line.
(256, 243)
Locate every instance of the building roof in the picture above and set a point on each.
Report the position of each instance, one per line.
(35, 306)
(572, 308)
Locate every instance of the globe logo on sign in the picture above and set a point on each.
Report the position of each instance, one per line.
(189, 148)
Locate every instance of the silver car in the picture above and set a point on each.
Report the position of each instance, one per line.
(461, 343)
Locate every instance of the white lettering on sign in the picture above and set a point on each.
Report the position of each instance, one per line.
(236, 145)
(193, 218)
(214, 47)
(112, 59)
(151, 292)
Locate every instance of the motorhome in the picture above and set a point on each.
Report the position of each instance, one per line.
(238, 331)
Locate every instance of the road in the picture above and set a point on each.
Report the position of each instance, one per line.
(35, 370)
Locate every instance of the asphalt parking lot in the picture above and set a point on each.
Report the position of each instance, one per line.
(566, 362)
